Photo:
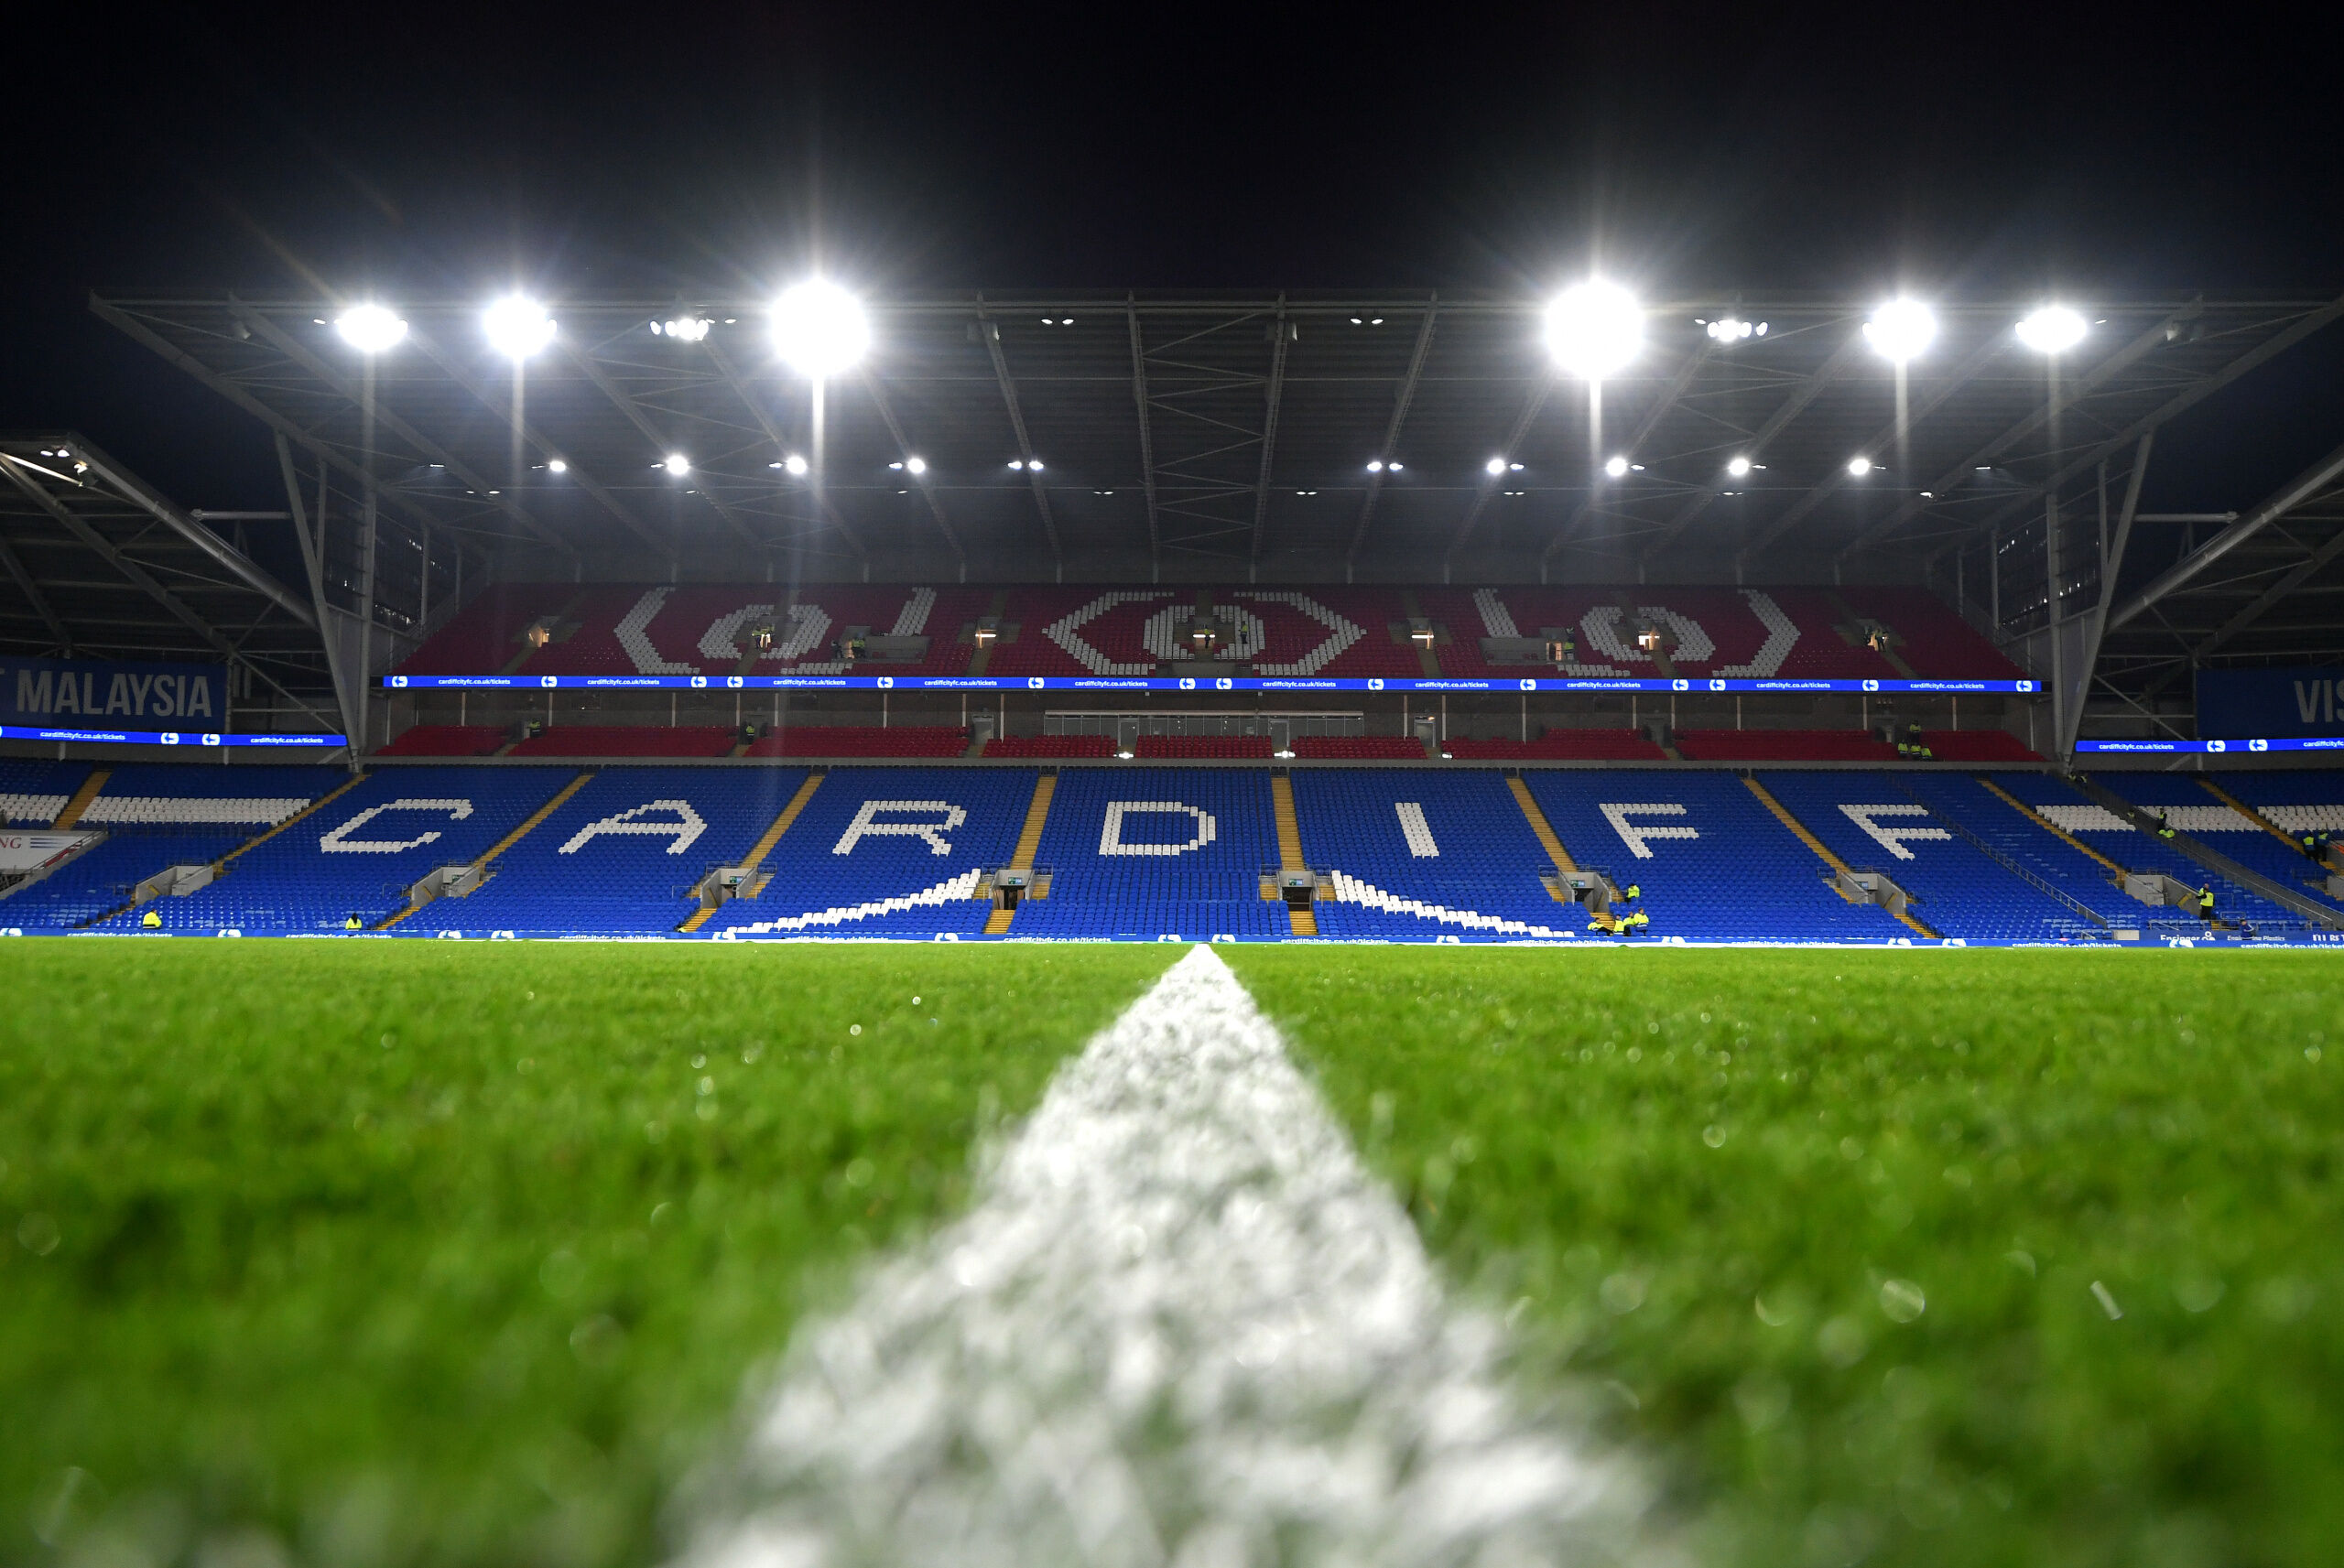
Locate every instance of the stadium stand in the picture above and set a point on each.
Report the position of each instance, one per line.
(1932, 640)
(887, 852)
(1359, 748)
(2090, 823)
(1988, 746)
(1958, 888)
(2298, 800)
(486, 635)
(1967, 804)
(621, 857)
(1716, 866)
(860, 740)
(1784, 746)
(32, 794)
(1562, 745)
(1424, 854)
(2197, 811)
(360, 853)
(1157, 852)
(630, 741)
(1048, 746)
(448, 740)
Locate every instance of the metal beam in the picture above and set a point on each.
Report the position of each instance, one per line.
(2285, 499)
(1407, 395)
(33, 594)
(339, 385)
(223, 553)
(2111, 565)
(322, 450)
(1490, 484)
(1146, 438)
(1280, 334)
(502, 410)
(661, 445)
(871, 385)
(313, 564)
(140, 578)
(1822, 490)
(990, 330)
(1670, 396)
(733, 378)
(1806, 392)
(2070, 393)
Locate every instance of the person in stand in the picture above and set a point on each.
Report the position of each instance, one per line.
(1638, 921)
(1635, 891)
(351, 921)
(150, 921)
(2206, 904)
(2164, 828)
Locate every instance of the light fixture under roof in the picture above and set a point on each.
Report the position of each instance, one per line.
(677, 464)
(687, 327)
(1494, 467)
(2053, 329)
(1616, 467)
(915, 465)
(795, 464)
(1902, 330)
(517, 327)
(1860, 465)
(1736, 466)
(818, 329)
(556, 465)
(1594, 329)
(370, 328)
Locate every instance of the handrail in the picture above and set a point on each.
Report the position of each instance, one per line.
(2004, 860)
(2138, 818)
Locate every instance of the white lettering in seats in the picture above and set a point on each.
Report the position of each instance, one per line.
(1417, 831)
(1892, 839)
(1634, 834)
(339, 841)
(867, 826)
(688, 826)
(1111, 833)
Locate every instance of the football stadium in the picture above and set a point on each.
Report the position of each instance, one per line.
(1195, 928)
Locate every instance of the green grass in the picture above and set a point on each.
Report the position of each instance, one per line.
(427, 1252)
(486, 1293)
(1826, 1228)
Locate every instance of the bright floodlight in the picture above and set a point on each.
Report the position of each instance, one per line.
(370, 328)
(1860, 466)
(1375, 465)
(794, 463)
(1494, 467)
(557, 466)
(677, 464)
(517, 327)
(1616, 467)
(1738, 467)
(2054, 330)
(1902, 330)
(689, 327)
(1594, 329)
(818, 329)
(915, 465)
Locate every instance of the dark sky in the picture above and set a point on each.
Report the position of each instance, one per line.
(451, 150)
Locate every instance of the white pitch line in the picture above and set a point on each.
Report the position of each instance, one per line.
(1183, 1327)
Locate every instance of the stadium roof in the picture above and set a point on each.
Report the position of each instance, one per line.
(1194, 434)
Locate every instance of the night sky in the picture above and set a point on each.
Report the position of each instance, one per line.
(424, 150)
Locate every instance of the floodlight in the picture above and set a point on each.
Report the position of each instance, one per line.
(1594, 329)
(818, 328)
(1034, 464)
(1395, 468)
(1729, 329)
(370, 328)
(1617, 468)
(1494, 467)
(2053, 329)
(677, 464)
(1375, 465)
(517, 327)
(1738, 466)
(1860, 466)
(794, 464)
(1017, 462)
(557, 466)
(690, 329)
(1902, 330)
(915, 465)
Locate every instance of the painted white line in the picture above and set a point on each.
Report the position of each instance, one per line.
(1184, 1328)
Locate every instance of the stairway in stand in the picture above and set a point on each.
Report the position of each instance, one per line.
(1029, 843)
(764, 846)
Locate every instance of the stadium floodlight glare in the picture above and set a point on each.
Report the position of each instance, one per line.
(1375, 465)
(1034, 464)
(818, 329)
(1738, 466)
(1858, 466)
(690, 329)
(677, 464)
(556, 465)
(2053, 329)
(517, 327)
(1594, 329)
(795, 464)
(1902, 330)
(1494, 467)
(370, 328)
(915, 465)
(1617, 468)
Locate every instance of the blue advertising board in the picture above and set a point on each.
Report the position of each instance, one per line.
(78, 693)
(2299, 701)
(1190, 682)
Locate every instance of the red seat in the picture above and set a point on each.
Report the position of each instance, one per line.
(1564, 745)
(1219, 747)
(447, 740)
(861, 741)
(1784, 746)
(1361, 748)
(1977, 746)
(1050, 746)
(630, 741)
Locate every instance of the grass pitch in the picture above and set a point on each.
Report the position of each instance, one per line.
(428, 1252)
